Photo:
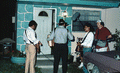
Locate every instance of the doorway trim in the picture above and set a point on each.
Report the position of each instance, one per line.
(49, 9)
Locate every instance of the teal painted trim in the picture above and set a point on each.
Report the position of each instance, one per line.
(85, 70)
(69, 50)
(20, 40)
(73, 2)
(25, 25)
(20, 32)
(23, 48)
(18, 47)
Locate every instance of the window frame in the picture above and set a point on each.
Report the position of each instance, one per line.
(91, 10)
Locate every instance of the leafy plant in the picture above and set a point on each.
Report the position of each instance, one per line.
(117, 40)
(7, 67)
(16, 53)
(73, 68)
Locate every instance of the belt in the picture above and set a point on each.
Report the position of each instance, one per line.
(86, 47)
(29, 44)
(102, 47)
(61, 43)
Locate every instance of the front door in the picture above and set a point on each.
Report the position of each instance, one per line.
(43, 17)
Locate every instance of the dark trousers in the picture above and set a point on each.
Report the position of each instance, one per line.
(60, 51)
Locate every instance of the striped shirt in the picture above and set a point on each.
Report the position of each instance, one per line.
(60, 35)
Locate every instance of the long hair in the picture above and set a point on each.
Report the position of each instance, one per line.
(89, 25)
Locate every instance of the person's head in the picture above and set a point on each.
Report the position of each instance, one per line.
(100, 24)
(88, 27)
(61, 22)
(33, 24)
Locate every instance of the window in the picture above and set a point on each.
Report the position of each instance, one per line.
(90, 16)
(43, 13)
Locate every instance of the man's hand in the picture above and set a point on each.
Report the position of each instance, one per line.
(39, 43)
(110, 36)
(38, 48)
(78, 44)
(78, 49)
(108, 49)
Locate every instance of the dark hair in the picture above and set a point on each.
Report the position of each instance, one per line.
(32, 22)
(89, 25)
(102, 23)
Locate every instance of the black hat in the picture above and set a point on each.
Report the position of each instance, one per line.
(61, 22)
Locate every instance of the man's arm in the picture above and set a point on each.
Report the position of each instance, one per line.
(70, 36)
(110, 36)
(51, 36)
(96, 34)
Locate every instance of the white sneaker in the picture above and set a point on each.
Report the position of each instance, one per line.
(80, 60)
(81, 65)
(74, 59)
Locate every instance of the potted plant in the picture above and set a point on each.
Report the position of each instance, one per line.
(117, 40)
(18, 57)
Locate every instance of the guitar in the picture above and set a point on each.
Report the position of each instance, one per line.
(38, 47)
(79, 47)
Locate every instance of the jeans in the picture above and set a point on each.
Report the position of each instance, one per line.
(86, 50)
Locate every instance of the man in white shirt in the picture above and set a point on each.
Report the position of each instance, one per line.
(29, 36)
(60, 36)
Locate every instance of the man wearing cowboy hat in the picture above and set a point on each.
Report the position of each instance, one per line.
(60, 35)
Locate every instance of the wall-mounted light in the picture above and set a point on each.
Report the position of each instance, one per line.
(64, 14)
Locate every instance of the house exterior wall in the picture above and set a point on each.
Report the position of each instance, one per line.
(25, 14)
(110, 16)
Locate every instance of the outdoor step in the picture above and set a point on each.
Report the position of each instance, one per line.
(47, 66)
(46, 70)
(45, 57)
(45, 62)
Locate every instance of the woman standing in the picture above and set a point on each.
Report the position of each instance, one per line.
(87, 41)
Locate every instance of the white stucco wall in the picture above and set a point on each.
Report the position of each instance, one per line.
(111, 18)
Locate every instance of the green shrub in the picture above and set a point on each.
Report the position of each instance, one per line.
(7, 67)
(73, 68)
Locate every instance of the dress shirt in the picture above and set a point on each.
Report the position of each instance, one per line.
(60, 35)
(88, 40)
(30, 35)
